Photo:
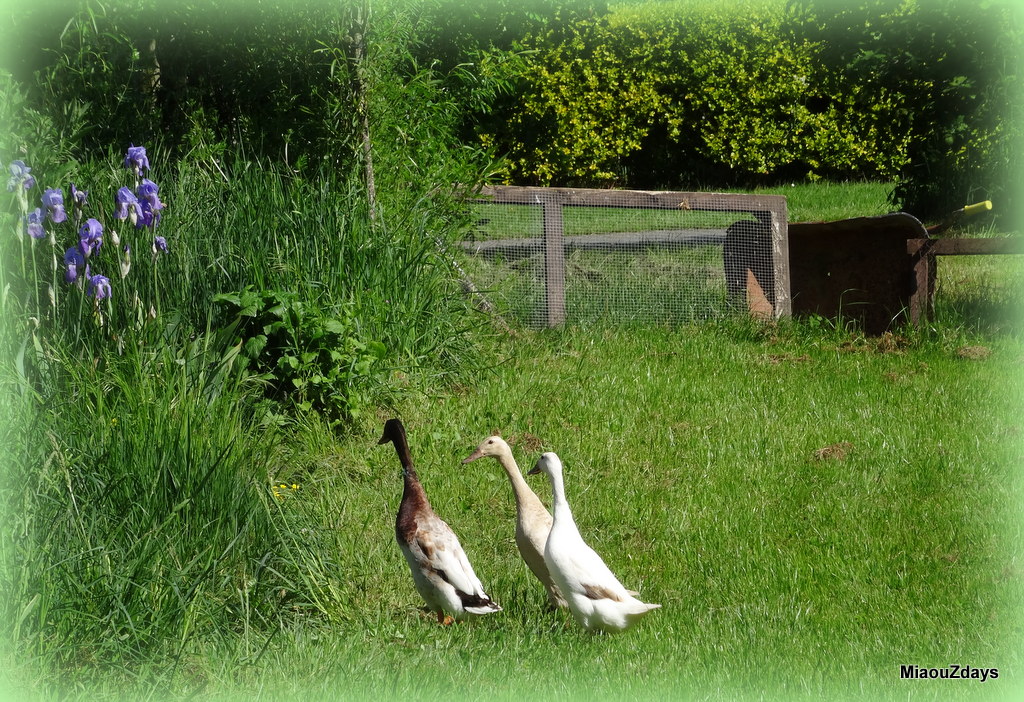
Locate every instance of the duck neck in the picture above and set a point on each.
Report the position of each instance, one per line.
(559, 505)
(520, 488)
(412, 491)
(414, 502)
(411, 483)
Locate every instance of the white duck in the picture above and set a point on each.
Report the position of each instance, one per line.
(533, 522)
(440, 569)
(596, 598)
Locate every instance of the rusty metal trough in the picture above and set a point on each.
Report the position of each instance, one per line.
(857, 268)
(878, 271)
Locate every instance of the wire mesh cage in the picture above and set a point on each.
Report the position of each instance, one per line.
(551, 255)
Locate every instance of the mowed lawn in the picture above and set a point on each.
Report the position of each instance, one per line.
(812, 509)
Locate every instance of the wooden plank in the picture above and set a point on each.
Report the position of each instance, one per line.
(665, 200)
(858, 268)
(967, 247)
(920, 306)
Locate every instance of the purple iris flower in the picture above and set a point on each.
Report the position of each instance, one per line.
(74, 260)
(125, 200)
(90, 237)
(53, 201)
(99, 287)
(148, 191)
(148, 217)
(159, 244)
(20, 176)
(136, 159)
(34, 224)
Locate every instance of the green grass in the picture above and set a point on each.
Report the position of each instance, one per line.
(137, 512)
(692, 467)
(984, 292)
(154, 561)
(826, 201)
(656, 286)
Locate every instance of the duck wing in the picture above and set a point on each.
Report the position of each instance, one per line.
(440, 556)
(588, 575)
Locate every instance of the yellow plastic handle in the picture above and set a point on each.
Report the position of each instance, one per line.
(977, 208)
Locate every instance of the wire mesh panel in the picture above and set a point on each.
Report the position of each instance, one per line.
(553, 255)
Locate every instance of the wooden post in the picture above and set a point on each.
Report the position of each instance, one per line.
(923, 252)
(779, 235)
(923, 264)
(554, 261)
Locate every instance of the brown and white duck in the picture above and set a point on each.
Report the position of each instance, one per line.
(596, 598)
(440, 570)
(533, 522)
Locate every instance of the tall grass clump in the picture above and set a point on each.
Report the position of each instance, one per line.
(338, 270)
(140, 517)
(268, 228)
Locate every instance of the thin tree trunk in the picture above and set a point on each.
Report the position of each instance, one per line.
(151, 72)
(359, 56)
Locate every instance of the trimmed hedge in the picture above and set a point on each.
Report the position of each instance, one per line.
(955, 66)
(689, 93)
(672, 92)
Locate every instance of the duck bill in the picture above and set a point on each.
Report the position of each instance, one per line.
(534, 470)
(472, 457)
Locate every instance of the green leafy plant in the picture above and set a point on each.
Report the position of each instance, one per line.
(585, 109)
(944, 73)
(304, 355)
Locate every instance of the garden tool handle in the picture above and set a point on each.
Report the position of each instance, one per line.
(977, 208)
(956, 215)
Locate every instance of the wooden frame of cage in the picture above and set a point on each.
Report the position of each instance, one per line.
(923, 252)
(770, 210)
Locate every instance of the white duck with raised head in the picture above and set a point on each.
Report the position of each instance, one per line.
(440, 569)
(596, 598)
(533, 522)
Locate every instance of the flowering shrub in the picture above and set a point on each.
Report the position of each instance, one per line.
(96, 265)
